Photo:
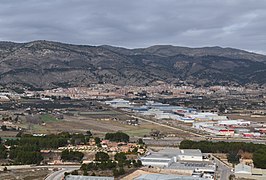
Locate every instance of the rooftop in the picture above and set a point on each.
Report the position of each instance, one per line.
(165, 177)
(171, 152)
(76, 177)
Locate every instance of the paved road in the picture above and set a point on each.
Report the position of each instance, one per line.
(223, 169)
(59, 175)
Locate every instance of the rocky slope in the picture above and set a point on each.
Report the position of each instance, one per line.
(45, 64)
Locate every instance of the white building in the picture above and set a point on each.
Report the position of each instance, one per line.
(166, 177)
(77, 177)
(241, 168)
(166, 157)
(205, 116)
(4, 98)
(190, 155)
(118, 103)
(238, 122)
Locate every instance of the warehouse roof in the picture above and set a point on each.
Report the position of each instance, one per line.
(165, 177)
(76, 177)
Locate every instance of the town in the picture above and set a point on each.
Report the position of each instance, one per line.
(113, 132)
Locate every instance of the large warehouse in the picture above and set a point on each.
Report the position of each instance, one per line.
(166, 157)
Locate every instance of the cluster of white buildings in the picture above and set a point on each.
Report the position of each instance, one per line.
(209, 122)
(222, 127)
(237, 128)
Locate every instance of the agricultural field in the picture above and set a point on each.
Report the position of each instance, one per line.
(79, 116)
(27, 174)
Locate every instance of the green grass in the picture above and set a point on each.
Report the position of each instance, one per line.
(48, 118)
(38, 129)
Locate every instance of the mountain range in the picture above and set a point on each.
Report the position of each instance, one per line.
(46, 64)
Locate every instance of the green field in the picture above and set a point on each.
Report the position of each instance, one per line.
(48, 118)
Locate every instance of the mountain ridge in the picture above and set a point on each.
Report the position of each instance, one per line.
(47, 64)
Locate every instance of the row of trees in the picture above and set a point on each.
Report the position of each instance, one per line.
(26, 149)
(45, 142)
(232, 149)
(103, 162)
(25, 154)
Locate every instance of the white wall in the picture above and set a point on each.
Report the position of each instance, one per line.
(189, 158)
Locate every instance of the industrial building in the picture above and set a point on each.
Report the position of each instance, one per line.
(244, 171)
(166, 177)
(119, 103)
(205, 116)
(77, 177)
(166, 157)
(238, 122)
(213, 129)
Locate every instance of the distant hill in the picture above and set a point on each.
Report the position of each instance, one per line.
(45, 64)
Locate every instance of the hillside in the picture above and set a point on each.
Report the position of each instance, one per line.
(45, 64)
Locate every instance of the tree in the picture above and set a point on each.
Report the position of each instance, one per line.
(67, 155)
(221, 109)
(140, 141)
(259, 158)
(121, 171)
(233, 157)
(97, 140)
(75, 172)
(85, 173)
(120, 157)
(66, 174)
(115, 173)
(4, 128)
(101, 156)
(78, 139)
(137, 163)
(3, 153)
(231, 177)
(117, 137)
(135, 150)
(88, 133)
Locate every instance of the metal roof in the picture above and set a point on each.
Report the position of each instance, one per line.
(76, 177)
(165, 177)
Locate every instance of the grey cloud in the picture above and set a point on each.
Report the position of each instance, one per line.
(138, 23)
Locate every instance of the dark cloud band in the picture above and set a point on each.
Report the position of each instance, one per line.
(138, 23)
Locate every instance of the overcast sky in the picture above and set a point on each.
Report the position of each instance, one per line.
(137, 23)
